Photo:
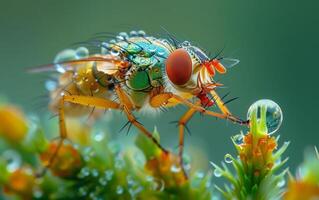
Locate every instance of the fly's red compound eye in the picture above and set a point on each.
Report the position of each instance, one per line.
(179, 67)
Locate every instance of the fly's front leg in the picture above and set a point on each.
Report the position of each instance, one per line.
(81, 100)
(181, 127)
(224, 109)
(208, 112)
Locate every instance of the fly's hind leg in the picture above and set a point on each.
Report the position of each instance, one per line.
(128, 107)
(81, 100)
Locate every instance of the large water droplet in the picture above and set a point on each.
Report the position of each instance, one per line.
(228, 158)
(119, 190)
(141, 33)
(217, 173)
(133, 33)
(274, 114)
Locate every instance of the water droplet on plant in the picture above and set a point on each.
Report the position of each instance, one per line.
(103, 181)
(228, 158)
(175, 169)
(217, 173)
(119, 163)
(84, 172)
(13, 160)
(200, 174)
(83, 191)
(99, 136)
(37, 193)
(95, 173)
(119, 190)
(109, 174)
(274, 114)
(281, 183)
(238, 139)
(130, 180)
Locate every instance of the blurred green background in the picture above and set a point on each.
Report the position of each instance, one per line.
(276, 41)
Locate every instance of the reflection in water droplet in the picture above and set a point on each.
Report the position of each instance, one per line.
(84, 172)
(119, 190)
(217, 173)
(274, 114)
(175, 169)
(83, 191)
(228, 158)
(141, 33)
(133, 33)
(130, 180)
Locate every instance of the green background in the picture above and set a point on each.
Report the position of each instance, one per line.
(276, 41)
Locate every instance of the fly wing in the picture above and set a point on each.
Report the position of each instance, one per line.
(106, 63)
(228, 62)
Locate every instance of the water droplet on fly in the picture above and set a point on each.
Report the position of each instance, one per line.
(141, 33)
(115, 52)
(228, 158)
(133, 33)
(119, 190)
(274, 114)
(217, 173)
(152, 48)
(123, 34)
(175, 169)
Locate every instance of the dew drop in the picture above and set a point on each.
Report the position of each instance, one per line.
(274, 114)
(119, 190)
(120, 38)
(130, 180)
(217, 173)
(228, 158)
(109, 174)
(95, 172)
(84, 172)
(186, 43)
(281, 183)
(175, 169)
(238, 139)
(200, 175)
(82, 52)
(99, 136)
(112, 41)
(83, 191)
(103, 181)
(13, 160)
(152, 48)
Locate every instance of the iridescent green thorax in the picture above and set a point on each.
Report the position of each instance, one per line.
(147, 55)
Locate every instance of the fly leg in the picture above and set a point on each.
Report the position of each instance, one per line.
(181, 127)
(76, 99)
(128, 107)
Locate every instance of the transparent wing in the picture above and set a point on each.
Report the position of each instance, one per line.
(228, 62)
(105, 61)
